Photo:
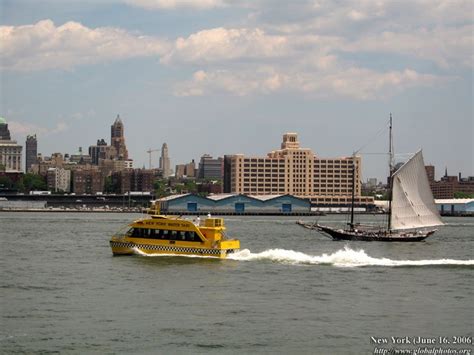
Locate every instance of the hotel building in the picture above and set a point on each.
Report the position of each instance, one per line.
(296, 171)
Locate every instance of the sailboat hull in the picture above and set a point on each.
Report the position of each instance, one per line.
(377, 236)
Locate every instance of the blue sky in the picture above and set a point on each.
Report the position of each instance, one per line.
(224, 77)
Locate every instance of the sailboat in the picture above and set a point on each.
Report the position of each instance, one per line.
(412, 213)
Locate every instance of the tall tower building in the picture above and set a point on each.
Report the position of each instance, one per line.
(165, 161)
(31, 152)
(117, 139)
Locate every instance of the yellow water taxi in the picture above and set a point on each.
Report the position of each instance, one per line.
(171, 235)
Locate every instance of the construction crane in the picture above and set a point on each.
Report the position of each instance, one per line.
(149, 151)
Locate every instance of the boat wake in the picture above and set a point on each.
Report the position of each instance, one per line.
(346, 257)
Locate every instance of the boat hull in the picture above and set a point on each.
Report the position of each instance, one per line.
(379, 236)
(130, 248)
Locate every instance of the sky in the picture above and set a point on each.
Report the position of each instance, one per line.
(226, 77)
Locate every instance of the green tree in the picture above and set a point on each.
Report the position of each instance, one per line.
(5, 182)
(32, 182)
(160, 186)
(109, 186)
(460, 194)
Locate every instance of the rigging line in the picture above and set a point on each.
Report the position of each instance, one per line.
(373, 138)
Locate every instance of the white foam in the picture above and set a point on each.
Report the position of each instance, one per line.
(343, 258)
(139, 252)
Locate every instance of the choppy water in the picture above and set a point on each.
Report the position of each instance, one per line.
(290, 290)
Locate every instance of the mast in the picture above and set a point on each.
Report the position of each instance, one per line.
(353, 193)
(390, 182)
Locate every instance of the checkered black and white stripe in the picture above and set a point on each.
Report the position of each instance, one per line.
(165, 248)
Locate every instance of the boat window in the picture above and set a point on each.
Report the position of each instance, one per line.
(172, 235)
(137, 233)
(189, 236)
(194, 237)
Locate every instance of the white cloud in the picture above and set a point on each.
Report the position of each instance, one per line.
(22, 128)
(45, 46)
(351, 82)
(443, 46)
(221, 44)
(173, 4)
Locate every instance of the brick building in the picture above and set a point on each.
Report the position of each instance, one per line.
(87, 181)
(133, 180)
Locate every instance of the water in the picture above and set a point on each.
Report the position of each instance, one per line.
(290, 290)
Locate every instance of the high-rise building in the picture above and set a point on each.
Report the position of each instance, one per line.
(117, 139)
(31, 152)
(296, 171)
(99, 151)
(10, 151)
(59, 179)
(210, 168)
(165, 161)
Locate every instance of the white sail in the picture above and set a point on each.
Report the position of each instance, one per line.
(413, 205)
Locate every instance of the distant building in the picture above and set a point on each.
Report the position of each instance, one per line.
(210, 168)
(448, 186)
(133, 180)
(210, 188)
(165, 161)
(80, 158)
(186, 170)
(430, 172)
(296, 171)
(87, 181)
(31, 152)
(99, 151)
(117, 139)
(56, 160)
(10, 151)
(180, 171)
(59, 179)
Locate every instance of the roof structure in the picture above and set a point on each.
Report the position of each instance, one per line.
(454, 201)
(220, 197)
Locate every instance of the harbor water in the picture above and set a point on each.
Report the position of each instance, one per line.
(290, 290)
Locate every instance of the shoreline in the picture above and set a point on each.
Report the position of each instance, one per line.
(186, 213)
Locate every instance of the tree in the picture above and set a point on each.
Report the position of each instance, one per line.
(32, 182)
(160, 186)
(460, 194)
(109, 186)
(5, 182)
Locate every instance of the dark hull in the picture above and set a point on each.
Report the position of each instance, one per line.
(378, 236)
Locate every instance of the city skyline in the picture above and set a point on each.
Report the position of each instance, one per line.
(225, 78)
